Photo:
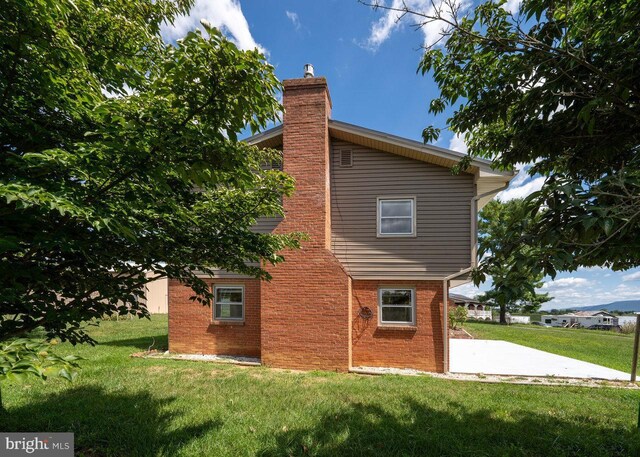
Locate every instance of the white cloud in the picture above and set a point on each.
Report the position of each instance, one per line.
(632, 277)
(570, 292)
(390, 21)
(522, 176)
(593, 269)
(512, 6)
(589, 294)
(293, 17)
(521, 190)
(576, 292)
(127, 91)
(625, 292)
(457, 143)
(565, 282)
(224, 14)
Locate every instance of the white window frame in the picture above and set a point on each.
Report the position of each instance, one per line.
(412, 306)
(379, 217)
(215, 302)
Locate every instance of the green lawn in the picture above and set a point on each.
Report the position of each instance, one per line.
(122, 406)
(610, 349)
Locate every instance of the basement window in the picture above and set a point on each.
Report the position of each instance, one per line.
(229, 303)
(397, 306)
(396, 216)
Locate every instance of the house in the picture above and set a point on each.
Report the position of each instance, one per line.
(390, 230)
(585, 319)
(156, 295)
(475, 309)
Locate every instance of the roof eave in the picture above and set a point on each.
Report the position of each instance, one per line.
(483, 165)
(266, 136)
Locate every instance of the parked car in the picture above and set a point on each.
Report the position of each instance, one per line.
(604, 327)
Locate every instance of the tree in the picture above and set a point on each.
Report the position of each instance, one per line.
(513, 289)
(120, 155)
(529, 302)
(555, 84)
(532, 302)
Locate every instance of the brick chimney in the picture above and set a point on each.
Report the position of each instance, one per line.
(305, 308)
(307, 109)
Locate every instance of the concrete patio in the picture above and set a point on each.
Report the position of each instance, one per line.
(504, 358)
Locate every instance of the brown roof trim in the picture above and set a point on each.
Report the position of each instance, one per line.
(267, 135)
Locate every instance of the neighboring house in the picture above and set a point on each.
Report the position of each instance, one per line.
(584, 319)
(390, 230)
(156, 294)
(475, 309)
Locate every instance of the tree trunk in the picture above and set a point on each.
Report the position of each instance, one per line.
(503, 313)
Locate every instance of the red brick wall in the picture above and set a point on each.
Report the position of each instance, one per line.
(401, 347)
(192, 328)
(305, 308)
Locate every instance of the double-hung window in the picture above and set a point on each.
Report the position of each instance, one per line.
(397, 306)
(229, 303)
(396, 216)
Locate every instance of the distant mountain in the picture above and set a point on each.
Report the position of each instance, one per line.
(626, 305)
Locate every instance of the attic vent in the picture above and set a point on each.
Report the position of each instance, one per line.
(346, 158)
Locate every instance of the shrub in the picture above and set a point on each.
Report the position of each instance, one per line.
(628, 328)
(457, 316)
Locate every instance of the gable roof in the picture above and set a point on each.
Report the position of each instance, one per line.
(583, 314)
(459, 298)
(591, 313)
(401, 146)
(489, 182)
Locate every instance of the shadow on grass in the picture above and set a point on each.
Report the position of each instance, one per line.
(107, 423)
(159, 342)
(364, 429)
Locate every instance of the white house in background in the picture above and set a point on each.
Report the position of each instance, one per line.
(518, 319)
(475, 309)
(584, 319)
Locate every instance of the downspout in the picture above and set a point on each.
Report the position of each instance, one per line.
(445, 280)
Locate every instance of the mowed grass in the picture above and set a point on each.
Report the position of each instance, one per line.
(123, 406)
(609, 349)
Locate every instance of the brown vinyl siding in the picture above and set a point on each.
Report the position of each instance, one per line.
(266, 224)
(442, 242)
(263, 225)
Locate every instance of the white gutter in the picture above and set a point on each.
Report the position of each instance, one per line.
(446, 279)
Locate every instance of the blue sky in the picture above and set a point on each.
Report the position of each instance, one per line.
(370, 62)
